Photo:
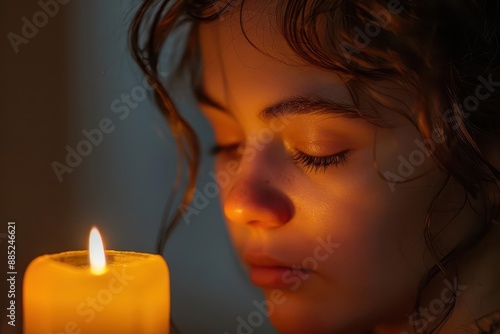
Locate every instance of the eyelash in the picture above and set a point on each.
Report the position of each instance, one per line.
(217, 149)
(315, 164)
(308, 162)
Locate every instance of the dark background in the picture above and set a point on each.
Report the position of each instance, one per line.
(62, 81)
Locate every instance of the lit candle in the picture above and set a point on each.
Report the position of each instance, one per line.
(119, 292)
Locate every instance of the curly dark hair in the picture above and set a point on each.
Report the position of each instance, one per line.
(439, 49)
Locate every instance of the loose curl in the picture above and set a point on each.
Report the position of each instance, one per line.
(436, 48)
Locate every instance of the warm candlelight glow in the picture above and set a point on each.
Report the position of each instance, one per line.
(122, 292)
(96, 252)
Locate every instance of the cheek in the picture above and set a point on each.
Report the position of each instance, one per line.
(361, 208)
(379, 261)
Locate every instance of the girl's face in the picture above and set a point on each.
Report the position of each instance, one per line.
(333, 245)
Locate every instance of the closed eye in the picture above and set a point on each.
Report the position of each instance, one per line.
(308, 162)
(231, 148)
(315, 164)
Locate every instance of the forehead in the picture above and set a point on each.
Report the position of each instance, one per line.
(250, 27)
(250, 68)
(247, 65)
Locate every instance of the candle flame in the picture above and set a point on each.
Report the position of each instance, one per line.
(96, 252)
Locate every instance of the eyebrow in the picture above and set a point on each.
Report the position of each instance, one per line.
(294, 105)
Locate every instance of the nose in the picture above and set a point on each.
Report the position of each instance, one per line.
(253, 199)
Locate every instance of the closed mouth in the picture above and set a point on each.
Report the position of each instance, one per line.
(284, 277)
(265, 271)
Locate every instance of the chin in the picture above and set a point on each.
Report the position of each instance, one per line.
(296, 317)
(286, 324)
(307, 316)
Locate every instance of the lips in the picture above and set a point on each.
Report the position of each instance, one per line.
(266, 271)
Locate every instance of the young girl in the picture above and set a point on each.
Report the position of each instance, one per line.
(357, 153)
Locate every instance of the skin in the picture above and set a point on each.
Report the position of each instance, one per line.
(277, 209)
